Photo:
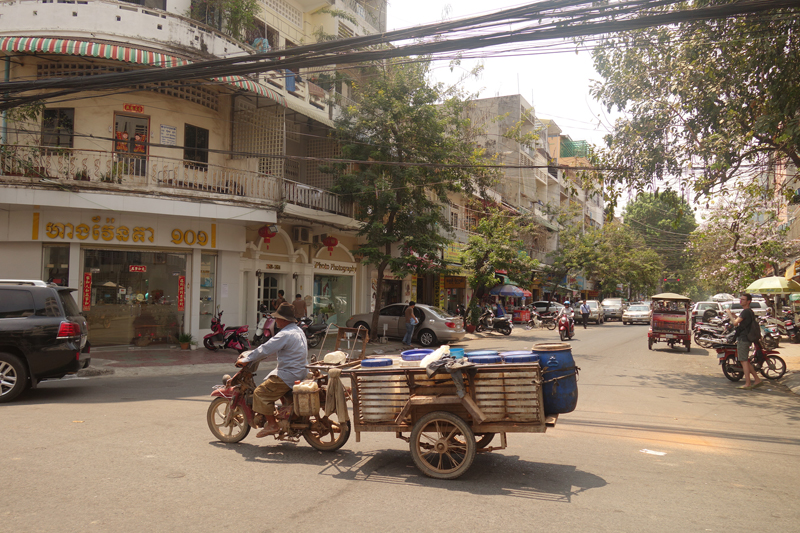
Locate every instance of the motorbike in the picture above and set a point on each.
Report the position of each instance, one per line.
(233, 337)
(767, 362)
(490, 322)
(230, 415)
(710, 332)
(566, 327)
(770, 335)
(314, 332)
(535, 321)
(792, 330)
(266, 327)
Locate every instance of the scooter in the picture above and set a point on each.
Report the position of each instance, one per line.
(314, 332)
(489, 322)
(266, 327)
(233, 337)
(230, 415)
(767, 362)
(566, 327)
(770, 335)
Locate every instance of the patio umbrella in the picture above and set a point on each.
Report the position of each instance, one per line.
(723, 297)
(509, 290)
(773, 285)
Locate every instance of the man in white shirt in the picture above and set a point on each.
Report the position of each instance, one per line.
(291, 347)
(585, 310)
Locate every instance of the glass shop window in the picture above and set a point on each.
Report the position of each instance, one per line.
(55, 265)
(208, 278)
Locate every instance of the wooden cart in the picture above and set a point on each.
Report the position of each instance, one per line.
(446, 431)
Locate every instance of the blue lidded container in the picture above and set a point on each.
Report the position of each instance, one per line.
(485, 359)
(376, 363)
(481, 352)
(519, 357)
(415, 355)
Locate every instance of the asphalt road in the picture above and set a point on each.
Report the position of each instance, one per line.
(660, 441)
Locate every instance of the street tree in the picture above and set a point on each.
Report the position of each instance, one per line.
(664, 221)
(701, 100)
(408, 145)
(740, 240)
(498, 243)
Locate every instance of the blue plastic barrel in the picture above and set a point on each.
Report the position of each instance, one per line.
(377, 362)
(415, 355)
(559, 376)
(485, 359)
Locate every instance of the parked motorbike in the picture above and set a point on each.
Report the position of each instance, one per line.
(230, 415)
(566, 327)
(767, 362)
(535, 321)
(266, 327)
(792, 330)
(770, 335)
(233, 337)
(710, 332)
(314, 332)
(490, 322)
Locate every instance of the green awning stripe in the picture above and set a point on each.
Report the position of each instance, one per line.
(126, 54)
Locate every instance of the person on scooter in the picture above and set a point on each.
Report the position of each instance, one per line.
(570, 314)
(291, 347)
(743, 323)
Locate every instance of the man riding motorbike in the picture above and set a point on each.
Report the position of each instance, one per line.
(570, 313)
(291, 347)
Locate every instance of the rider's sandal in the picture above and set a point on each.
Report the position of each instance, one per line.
(267, 431)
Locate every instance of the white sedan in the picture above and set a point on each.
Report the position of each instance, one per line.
(636, 313)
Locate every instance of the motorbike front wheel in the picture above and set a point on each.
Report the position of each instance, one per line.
(701, 339)
(773, 367)
(209, 344)
(314, 340)
(326, 433)
(479, 328)
(561, 334)
(236, 429)
(730, 370)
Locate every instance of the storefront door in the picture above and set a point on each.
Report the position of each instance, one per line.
(332, 299)
(134, 297)
(131, 134)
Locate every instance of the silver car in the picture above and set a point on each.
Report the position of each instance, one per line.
(613, 308)
(436, 326)
(636, 313)
(596, 312)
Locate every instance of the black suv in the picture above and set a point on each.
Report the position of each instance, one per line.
(42, 335)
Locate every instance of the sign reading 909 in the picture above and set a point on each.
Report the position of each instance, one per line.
(189, 237)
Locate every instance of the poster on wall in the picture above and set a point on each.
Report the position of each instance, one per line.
(181, 293)
(87, 291)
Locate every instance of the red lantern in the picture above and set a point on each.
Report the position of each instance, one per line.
(266, 234)
(330, 242)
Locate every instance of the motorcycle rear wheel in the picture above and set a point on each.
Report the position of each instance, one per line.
(326, 433)
(773, 367)
(314, 340)
(506, 330)
(236, 430)
(551, 324)
(702, 340)
(730, 370)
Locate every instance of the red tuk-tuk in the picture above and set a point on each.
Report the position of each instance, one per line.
(670, 320)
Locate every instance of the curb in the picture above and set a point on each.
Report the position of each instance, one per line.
(791, 381)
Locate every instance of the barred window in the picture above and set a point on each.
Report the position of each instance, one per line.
(58, 127)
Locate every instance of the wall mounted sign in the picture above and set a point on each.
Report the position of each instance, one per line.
(137, 268)
(181, 293)
(133, 108)
(347, 269)
(169, 135)
(87, 291)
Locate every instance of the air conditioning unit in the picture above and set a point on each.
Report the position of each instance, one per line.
(301, 234)
(319, 238)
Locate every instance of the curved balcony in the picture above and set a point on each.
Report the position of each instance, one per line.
(134, 174)
(118, 22)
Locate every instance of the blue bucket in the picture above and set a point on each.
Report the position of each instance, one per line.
(559, 377)
(458, 353)
(415, 355)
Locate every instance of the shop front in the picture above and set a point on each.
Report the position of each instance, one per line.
(332, 300)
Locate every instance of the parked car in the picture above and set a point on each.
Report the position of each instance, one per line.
(596, 311)
(436, 326)
(42, 335)
(735, 307)
(636, 313)
(759, 307)
(699, 309)
(613, 308)
(542, 306)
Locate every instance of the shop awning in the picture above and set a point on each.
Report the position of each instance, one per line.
(136, 56)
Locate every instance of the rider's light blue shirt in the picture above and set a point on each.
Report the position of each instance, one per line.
(291, 346)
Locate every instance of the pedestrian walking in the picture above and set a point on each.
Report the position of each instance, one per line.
(300, 308)
(585, 313)
(411, 322)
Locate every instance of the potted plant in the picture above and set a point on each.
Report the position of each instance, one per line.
(473, 316)
(185, 339)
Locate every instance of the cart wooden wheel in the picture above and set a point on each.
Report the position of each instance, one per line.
(442, 445)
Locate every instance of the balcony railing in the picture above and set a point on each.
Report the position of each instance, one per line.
(145, 173)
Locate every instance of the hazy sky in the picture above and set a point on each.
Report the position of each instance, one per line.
(557, 84)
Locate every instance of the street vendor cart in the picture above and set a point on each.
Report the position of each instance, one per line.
(450, 417)
(670, 320)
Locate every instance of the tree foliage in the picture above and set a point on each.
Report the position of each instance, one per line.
(415, 130)
(499, 244)
(234, 17)
(664, 221)
(702, 99)
(740, 240)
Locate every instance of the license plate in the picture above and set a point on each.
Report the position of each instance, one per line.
(669, 336)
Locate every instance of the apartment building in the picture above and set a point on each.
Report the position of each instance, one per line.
(165, 201)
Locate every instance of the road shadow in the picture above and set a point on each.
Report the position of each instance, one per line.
(492, 474)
